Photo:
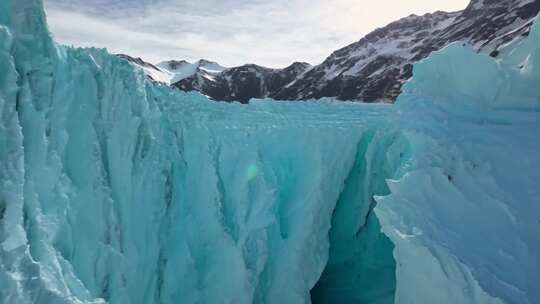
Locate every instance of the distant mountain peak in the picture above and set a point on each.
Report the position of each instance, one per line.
(373, 69)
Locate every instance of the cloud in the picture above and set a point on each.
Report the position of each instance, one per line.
(233, 32)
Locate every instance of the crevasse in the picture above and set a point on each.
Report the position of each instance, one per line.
(113, 190)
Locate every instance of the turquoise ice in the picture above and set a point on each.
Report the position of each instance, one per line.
(113, 190)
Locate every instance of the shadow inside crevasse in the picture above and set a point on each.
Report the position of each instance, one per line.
(361, 267)
(362, 273)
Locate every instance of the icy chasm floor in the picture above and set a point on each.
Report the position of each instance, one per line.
(114, 190)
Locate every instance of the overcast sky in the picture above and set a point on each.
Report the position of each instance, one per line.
(273, 33)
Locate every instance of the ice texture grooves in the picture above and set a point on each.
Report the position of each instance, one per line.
(113, 190)
(116, 190)
(464, 212)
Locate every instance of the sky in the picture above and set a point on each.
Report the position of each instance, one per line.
(272, 33)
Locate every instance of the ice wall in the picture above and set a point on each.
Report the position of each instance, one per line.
(120, 191)
(464, 213)
(361, 268)
(113, 190)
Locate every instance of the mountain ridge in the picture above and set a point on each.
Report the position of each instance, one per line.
(374, 68)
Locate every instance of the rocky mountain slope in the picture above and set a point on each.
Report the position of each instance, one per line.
(244, 82)
(375, 68)
(372, 69)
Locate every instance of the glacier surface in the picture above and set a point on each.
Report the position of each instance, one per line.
(113, 190)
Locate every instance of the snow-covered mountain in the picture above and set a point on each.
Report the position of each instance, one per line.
(153, 73)
(220, 83)
(373, 69)
(172, 71)
(242, 83)
(183, 69)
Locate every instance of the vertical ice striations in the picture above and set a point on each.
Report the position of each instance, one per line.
(113, 190)
(464, 213)
(361, 268)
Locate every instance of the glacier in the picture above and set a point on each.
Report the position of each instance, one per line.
(115, 190)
